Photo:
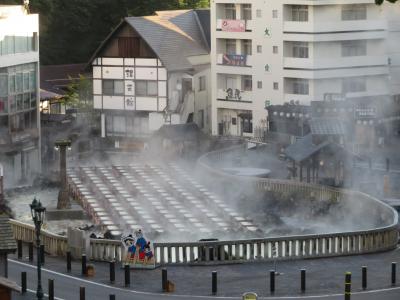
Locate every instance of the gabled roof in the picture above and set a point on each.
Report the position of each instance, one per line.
(203, 17)
(7, 241)
(327, 126)
(173, 35)
(303, 148)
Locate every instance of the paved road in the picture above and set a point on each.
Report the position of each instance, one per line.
(67, 288)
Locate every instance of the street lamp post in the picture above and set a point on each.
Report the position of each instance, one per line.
(38, 211)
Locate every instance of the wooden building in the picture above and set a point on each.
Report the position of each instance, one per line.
(7, 244)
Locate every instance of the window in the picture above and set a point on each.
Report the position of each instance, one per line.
(3, 85)
(300, 49)
(202, 83)
(230, 46)
(25, 81)
(119, 124)
(247, 83)
(275, 49)
(259, 13)
(246, 47)
(354, 48)
(276, 86)
(230, 11)
(275, 14)
(35, 42)
(146, 88)
(300, 87)
(21, 44)
(3, 105)
(354, 85)
(259, 84)
(201, 118)
(113, 87)
(18, 83)
(299, 13)
(354, 12)
(247, 123)
(246, 12)
(259, 49)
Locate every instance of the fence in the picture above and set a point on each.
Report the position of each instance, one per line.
(382, 238)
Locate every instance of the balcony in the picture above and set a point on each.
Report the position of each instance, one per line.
(235, 26)
(235, 60)
(22, 136)
(18, 137)
(330, 27)
(339, 62)
(336, 72)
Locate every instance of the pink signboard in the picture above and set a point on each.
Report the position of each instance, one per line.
(233, 25)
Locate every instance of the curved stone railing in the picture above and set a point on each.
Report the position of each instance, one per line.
(378, 239)
(54, 244)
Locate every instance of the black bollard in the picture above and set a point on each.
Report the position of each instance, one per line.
(30, 251)
(214, 282)
(347, 286)
(394, 264)
(82, 293)
(83, 264)
(112, 297)
(42, 254)
(127, 275)
(272, 281)
(69, 260)
(364, 278)
(19, 249)
(112, 271)
(23, 282)
(51, 289)
(303, 280)
(164, 275)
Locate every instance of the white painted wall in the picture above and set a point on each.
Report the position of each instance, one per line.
(325, 66)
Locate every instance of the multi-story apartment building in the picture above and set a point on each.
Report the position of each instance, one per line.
(19, 94)
(273, 52)
(149, 72)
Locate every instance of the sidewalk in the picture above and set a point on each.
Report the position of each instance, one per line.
(324, 276)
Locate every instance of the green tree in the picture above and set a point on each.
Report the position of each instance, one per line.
(379, 2)
(70, 31)
(78, 94)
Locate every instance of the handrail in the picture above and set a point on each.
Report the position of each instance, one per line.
(358, 242)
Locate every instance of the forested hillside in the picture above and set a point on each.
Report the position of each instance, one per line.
(71, 30)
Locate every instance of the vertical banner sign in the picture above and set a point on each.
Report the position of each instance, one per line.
(138, 251)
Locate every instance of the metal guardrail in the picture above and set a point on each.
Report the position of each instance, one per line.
(278, 248)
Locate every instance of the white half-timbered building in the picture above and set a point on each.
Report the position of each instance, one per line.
(149, 72)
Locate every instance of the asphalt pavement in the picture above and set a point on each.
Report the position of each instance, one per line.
(325, 279)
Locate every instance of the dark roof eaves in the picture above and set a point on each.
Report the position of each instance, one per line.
(203, 35)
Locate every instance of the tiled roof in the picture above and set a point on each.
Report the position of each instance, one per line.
(303, 148)
(7, 241)
(54, 78)
(173, 35)
(327, 126)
